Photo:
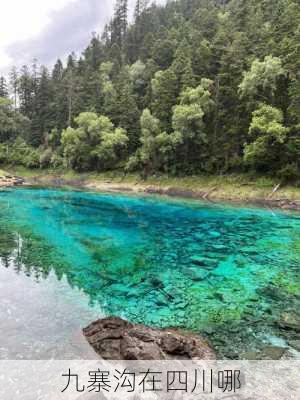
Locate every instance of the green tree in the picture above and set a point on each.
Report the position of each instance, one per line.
(3, 87)
(94, 143)
(25, 92)
(93, 54)
(138, 78)
(268, 136)
(189, 122)
(71, 87)
(140, 7)
(125, 109)
(261, 81)
(108, 89)
(13, 82)
(119, 23)
(60, 109)
(250, 49)
(294, 107)
(182, 66)
(12, 123)
(157, 146)
(164, 96)
(43, 118)
(20, 153)
(163, 52)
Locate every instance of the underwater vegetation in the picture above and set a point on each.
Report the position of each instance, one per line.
(227, 272)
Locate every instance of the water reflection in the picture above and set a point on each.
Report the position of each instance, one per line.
(229, 273)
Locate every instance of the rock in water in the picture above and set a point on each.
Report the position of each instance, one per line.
(289, 321)
(157, 283)
(204, 262)
(268, 353)
(295, 344)
(273, 352)
(115, 339)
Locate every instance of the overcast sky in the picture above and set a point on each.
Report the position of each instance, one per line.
(48, 29)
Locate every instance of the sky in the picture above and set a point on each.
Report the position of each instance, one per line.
(48, 29)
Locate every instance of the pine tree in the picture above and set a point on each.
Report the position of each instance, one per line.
(248, 48)
(126, 111)
(93, 54)
(25, 92)
(59, 96)
(119, 23)
(140, 7)
(13, 81)
(57, 72)
(3, 87)
(44, 104)
(164, 96)
(182, 66)
(70, 86)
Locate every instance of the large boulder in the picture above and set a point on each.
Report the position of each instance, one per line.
(116, 339)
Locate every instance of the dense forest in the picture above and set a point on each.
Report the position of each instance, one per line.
(195, 86)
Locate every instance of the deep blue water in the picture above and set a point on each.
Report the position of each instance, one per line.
(226, 272)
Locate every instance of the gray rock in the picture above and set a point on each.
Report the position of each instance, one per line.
(295, 344)
(204, 262)
(289, 321)
(268, 353)
(197, 274)
(273, 352)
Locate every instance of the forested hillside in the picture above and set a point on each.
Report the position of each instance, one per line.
(196, 86)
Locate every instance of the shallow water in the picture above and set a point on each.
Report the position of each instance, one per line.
(68, 257)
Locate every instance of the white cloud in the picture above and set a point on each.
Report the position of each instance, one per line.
(24, 19)
(48, 29)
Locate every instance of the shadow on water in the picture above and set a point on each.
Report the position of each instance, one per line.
(226, 272)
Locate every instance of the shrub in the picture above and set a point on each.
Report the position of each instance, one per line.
(45, 158)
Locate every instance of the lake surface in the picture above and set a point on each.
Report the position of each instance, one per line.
(70, 257)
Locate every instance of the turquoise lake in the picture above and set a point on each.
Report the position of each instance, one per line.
(69, 257)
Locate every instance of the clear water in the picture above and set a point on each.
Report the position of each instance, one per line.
(69, 257)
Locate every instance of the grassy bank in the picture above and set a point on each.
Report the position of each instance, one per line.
(235, 187)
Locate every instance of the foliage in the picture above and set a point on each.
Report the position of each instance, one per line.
(20, 153)
(95, 143)
(261, 80)
(46, 158)
(270, 135)
(156, 146)
(147, 78)
(11, 123)
(164, 88)
(188, 115)
(188, 119)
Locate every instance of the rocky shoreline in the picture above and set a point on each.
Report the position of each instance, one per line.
(113, 338)
(138, 188)
(210, 195)
(190, 194)
(10, 180)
